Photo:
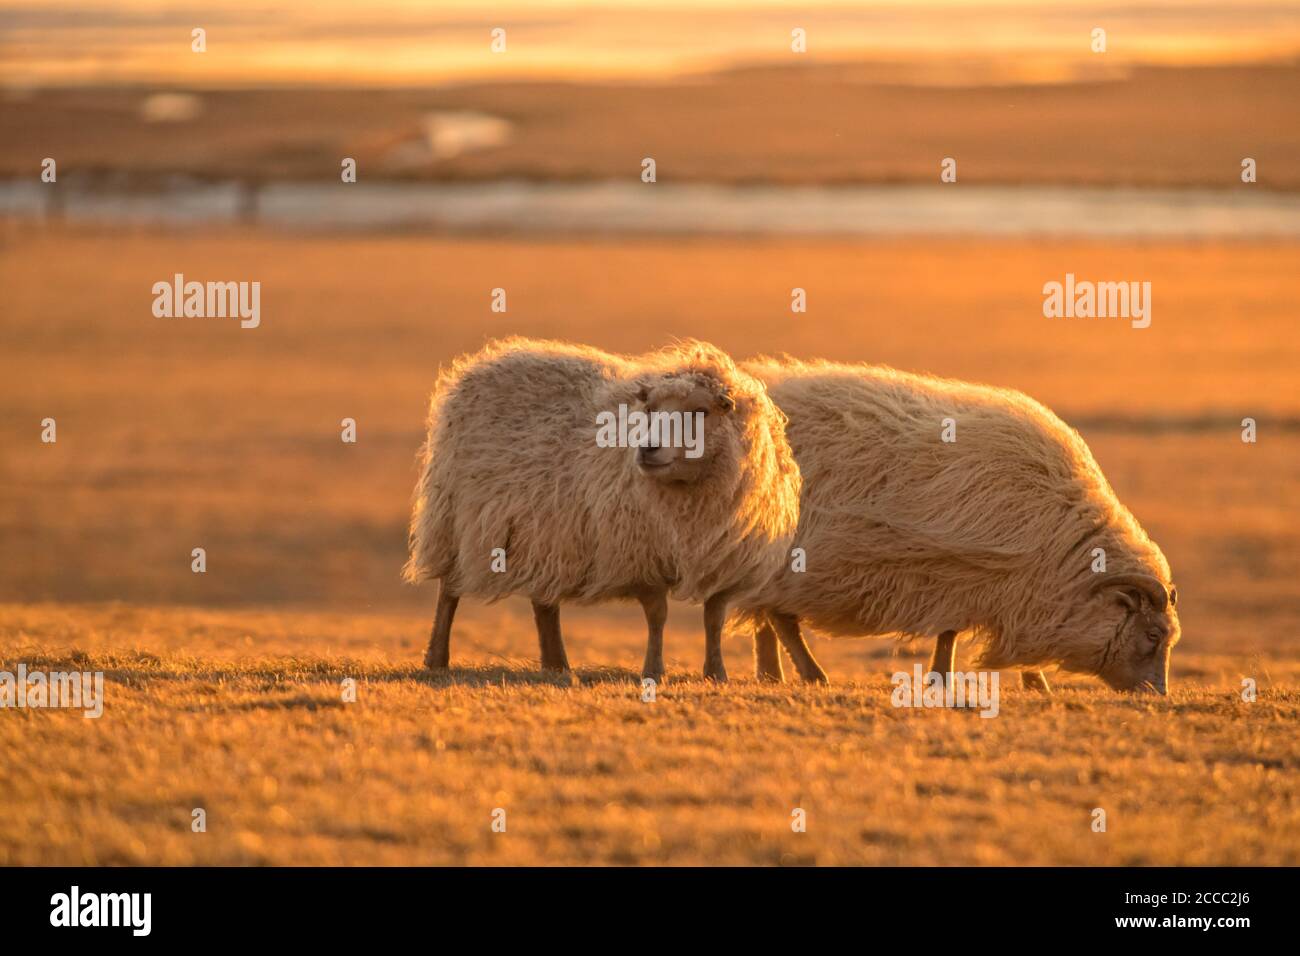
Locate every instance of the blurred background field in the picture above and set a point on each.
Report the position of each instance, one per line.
(1144, 125)
(183, 433)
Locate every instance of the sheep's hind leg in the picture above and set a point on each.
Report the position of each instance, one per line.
(1035, 680)
(787, 629)
(655, 605)
(767, 656)
(944, 660)
(438, 654)
(715, 616)
(549, 637)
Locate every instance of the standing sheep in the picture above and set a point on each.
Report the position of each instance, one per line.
(995, 531)
(517, 495)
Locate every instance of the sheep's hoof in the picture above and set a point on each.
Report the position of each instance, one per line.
(659, 678)
(716, 673)
(819, 677)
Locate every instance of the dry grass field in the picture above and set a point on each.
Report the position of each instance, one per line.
(240, 713)
(224, 688)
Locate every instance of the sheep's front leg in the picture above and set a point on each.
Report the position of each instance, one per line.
(438, 654)
(1035, 680)
(655, 605)
(944, 660)
(767, 656)
(547, 617)
(787, 629)
(715, 616)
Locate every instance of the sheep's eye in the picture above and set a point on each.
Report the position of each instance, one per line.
(1173, 596)
(1154, 637)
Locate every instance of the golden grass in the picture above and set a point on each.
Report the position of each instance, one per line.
(247, 722)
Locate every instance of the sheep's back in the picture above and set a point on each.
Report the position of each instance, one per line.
(906, 532)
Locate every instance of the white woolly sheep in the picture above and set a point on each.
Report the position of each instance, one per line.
(994, 532)
(512, 462)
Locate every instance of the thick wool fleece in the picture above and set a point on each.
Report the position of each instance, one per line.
(909, 535)
(511, 462)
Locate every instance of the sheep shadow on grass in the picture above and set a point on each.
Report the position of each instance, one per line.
(297, 677)
(522, 675)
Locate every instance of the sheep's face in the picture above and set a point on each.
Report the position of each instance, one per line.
(688, 427)
(1131, 638)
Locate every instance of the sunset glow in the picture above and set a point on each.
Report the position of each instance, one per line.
(65, 42)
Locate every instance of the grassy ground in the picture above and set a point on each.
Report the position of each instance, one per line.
(224, 688)
(241, 714)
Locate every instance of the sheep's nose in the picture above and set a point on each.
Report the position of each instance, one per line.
(650, 457)
(1155, 686)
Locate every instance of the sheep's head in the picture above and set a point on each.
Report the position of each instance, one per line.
(689, 416)
(1132, 628)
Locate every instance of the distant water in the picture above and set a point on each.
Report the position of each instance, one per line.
(664, 209)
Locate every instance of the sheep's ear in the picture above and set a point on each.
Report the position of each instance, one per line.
(1128, 597)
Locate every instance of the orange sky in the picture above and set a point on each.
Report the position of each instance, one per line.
(415, 41)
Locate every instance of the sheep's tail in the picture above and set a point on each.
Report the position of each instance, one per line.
(430, 538)
(422, 534)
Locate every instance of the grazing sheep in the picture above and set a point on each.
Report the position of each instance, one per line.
(995, 531)
(517, 496)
